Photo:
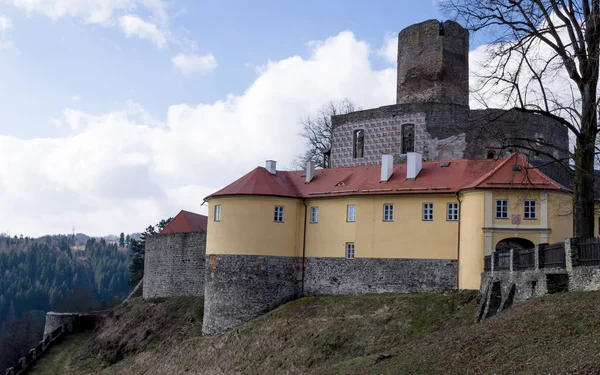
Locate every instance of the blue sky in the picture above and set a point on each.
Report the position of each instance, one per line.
(54, 60)
(115, 114)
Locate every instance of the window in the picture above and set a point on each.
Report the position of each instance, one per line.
(428, 211)
(278, 216)
(408, 138)
(218, 212)
(452, 213)
(359, 143)
(388, 212)
(351, 212)
(314, 214)
(349, 250)
(529, 210)
(502, 209)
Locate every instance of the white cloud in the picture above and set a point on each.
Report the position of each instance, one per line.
(5, 24)
(5, 27)
(389, 50)
(76, 98)
(90, 11)
(189, 64)
(125, 169)
(107, 13)
(135, 26)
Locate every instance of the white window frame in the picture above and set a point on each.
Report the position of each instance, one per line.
(351, 213)
(278, 214)
(501, 208)
(217, 212)
(530, 209)
(452, 211)
(314, 214)
(427, 211)
(388, 212)
(349, 250)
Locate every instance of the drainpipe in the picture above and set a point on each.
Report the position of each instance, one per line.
(458, 242)
(304, 245)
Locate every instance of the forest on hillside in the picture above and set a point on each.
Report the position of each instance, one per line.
(45, 274)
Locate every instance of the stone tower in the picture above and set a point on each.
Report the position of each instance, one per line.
(433, 64)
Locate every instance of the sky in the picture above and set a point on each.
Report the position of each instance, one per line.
(115, 114)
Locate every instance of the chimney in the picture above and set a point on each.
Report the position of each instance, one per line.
(413, 165)
(387, 167)
(271, 166)
(310, 171)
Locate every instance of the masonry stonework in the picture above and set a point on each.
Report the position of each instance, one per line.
(433, 95)
(174, 265)
(242, 287)
(330, 276)
(433, 63)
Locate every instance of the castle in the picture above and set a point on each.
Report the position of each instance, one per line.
(417, 194)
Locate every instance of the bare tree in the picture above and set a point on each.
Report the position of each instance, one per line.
(537, 41)
(316, 131)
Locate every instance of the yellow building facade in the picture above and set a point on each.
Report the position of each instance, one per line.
(437, 223)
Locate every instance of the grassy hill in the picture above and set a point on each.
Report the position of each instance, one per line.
(368, 334)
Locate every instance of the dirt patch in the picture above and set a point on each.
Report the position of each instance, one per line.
(139, 326)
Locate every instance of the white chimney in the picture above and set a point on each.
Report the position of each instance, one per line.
(413, 164)
(310, 171)
(271, 166)
(387, 167)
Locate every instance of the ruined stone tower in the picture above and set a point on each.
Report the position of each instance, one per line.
(432, 115)
(433, 63)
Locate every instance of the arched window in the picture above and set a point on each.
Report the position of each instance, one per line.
(359, 143)
(491, 154)
(408, 138)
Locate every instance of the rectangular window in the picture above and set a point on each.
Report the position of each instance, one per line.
(349, 250)
(452, 213)
(502, 209)
(218, 212)
(428, 211)
(278, 216)
(529, 210)
(388, 212)
(351, 212)
(314, 214)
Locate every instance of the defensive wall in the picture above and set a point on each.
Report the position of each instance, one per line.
(519, 274)
(443, 131)
(433, 97)
(58, 325)
(174, 265)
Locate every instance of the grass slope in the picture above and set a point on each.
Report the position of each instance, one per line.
(424, 334)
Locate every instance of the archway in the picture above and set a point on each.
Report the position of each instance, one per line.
(514, 243)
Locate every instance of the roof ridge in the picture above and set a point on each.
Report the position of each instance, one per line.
(490, 173)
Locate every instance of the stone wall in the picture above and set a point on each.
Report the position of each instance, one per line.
(378, 275)
(55, 320)
(444, 131)
(72, 322)
(174, 265)
(433, 63)
(242, 287)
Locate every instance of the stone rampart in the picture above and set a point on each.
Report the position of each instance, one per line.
(377, 275)
(433, 63)
(174, 265)
(444, 131)
(242, 287)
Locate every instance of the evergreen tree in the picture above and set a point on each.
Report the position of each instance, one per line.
(122, 240)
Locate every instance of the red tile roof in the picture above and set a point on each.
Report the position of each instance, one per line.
(186, 222)
(460, 174)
